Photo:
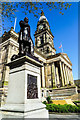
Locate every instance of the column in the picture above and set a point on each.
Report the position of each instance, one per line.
(38, 41)
(49, 80)
(35, 41)
(0, 72)
(69, 75)
(72, 77)
(45, 70)
(54, 75)
(44, 38)
(62, 78)
(43, 78)
(66, 75)
(57, 76)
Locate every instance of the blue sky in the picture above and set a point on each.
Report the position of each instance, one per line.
(63, 27)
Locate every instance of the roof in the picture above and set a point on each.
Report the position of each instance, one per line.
(42, 17)
(9, 34)
(63, 55)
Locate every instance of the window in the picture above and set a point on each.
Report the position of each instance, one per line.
(41, 38)
(47, 49)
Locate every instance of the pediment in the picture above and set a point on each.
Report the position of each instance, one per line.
(66, 57)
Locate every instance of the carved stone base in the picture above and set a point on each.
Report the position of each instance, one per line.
(32, 109)
(24, 78)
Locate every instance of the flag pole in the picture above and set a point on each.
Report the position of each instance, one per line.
(62, 49)
(15, 23)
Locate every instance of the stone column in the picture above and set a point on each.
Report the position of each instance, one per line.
(66, 75)
(54, 75)
(35, 41)
(38, 41)
(47, 38)
(49, 80)
(57, 75)
(72, 77)
(45, 70)
(44, 38)
(62, 78)
(69, 74)
(43, 78)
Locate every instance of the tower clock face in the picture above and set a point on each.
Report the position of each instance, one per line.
(40, 27)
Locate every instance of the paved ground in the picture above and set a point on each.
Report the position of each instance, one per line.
(54, 117)
(64, 116)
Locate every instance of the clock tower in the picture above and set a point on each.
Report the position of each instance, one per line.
(43, 37)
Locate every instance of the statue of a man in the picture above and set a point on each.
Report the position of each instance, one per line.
(24, 40)
(26, 46)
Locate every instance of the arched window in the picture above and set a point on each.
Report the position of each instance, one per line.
(47, 49)
(42, 40)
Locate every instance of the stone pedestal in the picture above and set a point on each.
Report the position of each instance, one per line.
(24, 95)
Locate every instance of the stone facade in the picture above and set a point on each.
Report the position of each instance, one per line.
(57, 69)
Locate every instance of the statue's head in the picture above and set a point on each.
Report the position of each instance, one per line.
(26, 19)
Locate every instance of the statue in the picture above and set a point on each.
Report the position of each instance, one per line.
(26, 46)
(25, 41)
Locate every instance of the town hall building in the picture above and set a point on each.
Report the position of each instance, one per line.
(56, 73)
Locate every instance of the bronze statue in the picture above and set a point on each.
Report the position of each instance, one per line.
(26, 46)
(25, 41)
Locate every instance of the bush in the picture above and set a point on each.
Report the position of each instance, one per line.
(44, 102)
(76, 101)
(49, 99)
(78, 108)
(72, 109)
(63, 108)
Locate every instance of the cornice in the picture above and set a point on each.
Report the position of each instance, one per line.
(10, 34)
(39, 53)
(10, 41)
(46, 44)
(44, 30)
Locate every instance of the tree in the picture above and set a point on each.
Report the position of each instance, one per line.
(8, 9)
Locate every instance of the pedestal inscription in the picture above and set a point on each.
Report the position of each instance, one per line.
(32, 90)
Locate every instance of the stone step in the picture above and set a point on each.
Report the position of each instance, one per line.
(62, 92)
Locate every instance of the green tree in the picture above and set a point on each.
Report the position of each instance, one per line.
(8, 9)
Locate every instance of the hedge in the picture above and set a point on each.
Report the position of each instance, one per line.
(77, 101)
(63, 108)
